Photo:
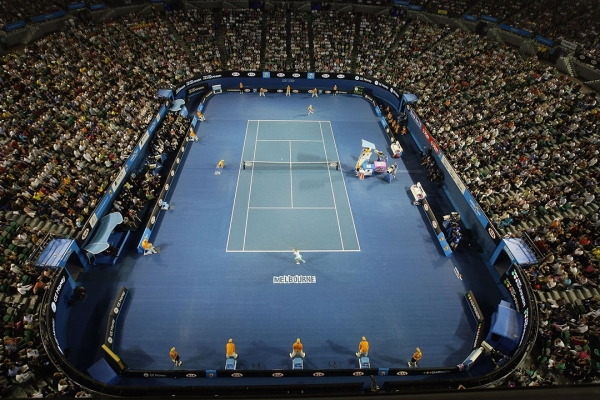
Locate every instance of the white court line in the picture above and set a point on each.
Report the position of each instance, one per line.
(337, 217)
(287, 251)
(250, 189)
(250, 192)
(282, 120)
(236, 187)
(291, 177)
(287, 140)
(345, 188)
(293, 208)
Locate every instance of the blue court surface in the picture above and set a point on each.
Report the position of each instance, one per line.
(290, 191)
(226, 269)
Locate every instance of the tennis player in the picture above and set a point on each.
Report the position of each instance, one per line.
(288, 90)
(175, 357)
(297, 255)
(417, 355)
(310, 109)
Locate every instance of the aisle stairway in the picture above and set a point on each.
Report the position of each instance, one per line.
(220, 36)
(356, 44)
(263, 41)
(288, 40)
(311, 43)
(178, 39)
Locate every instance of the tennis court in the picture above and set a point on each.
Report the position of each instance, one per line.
(209, 284)
(290, 191)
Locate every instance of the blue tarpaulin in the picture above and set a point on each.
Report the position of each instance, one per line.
(507, 325)
(99, 242)
(165, 93)
(56, 253)
(517, 250)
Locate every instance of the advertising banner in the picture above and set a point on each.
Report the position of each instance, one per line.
(543, 40)
(285, 77)
(57, 303)
(114, 315)
(477, 315)
(489, 18)
(515, 284)
(14, 26)
(568, 45)
(49, 16)
(75, 6)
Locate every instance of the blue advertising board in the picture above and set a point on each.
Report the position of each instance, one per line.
(75, 6)
(49, 16)
(543, 40)
(14, 26)
(489, 18)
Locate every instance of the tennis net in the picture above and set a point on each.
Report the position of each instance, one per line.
(297, 165)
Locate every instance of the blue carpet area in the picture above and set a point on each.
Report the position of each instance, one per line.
(399, 290)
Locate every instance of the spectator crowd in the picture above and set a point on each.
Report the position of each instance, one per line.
(243, 35)
(198, 29)
(333, 40)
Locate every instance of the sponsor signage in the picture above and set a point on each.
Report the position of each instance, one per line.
(75, 6)
(479, 320)
(46, 17)
(286, 77)
(432, 219)
(515, 285)
(118, 180)
(196, 90)
(431, 140)
(543, 40)
(512, 29)
(470, 17)
(295, 279)
(414, 116)
(61, 278)
(454, 175)
(489, 18)
(114, 315)
(14, 26)
(568, 45)
(95, 7)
